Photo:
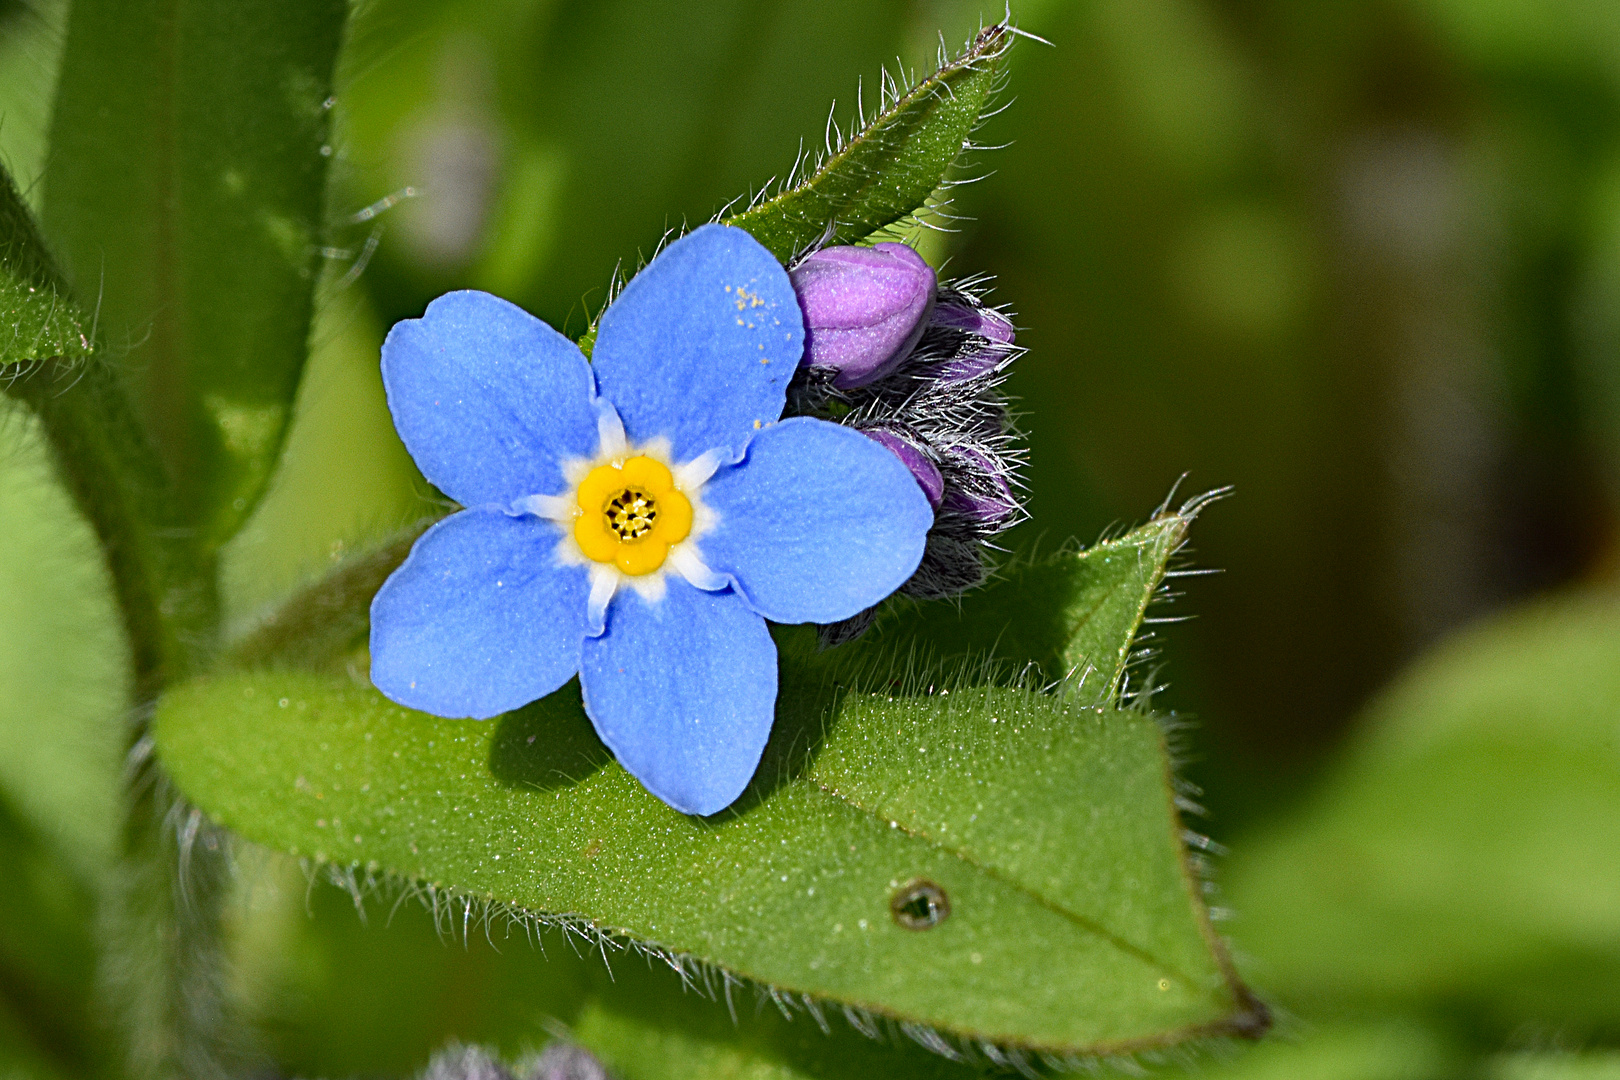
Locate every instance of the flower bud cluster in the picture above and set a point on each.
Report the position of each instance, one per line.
(917, 365)
(560, 1060)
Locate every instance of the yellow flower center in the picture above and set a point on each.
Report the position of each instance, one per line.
(631, 514)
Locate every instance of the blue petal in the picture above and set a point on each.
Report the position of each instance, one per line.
(488, 398)
(817, 523)
(480, 619)
(683, 690)
(701, 345)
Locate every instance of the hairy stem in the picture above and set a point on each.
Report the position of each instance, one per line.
(166, 598)
(162, 916)
(160, 908)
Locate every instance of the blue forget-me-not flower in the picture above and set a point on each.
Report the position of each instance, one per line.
(635, 518)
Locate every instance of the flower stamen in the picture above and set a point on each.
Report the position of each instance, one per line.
(631, 513)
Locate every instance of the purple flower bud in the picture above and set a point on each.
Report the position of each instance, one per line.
(984, 321)
(924, 471)
(975, 358)
(989, 503)
(864, 308)
(971, 363)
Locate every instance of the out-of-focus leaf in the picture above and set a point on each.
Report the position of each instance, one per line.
(1468, 852)
(1597, 1065)
(889, 168)
(59, 646)
(885, 170)
(1388, 1049)
(184, 194)
(549, 143)
(164, 596)
(643, 1027)
(338, 993)
(20, 1057)
(321, 625)
(345, 479)
(413, 980)
(62, 662)
(30, 47)
(1047, 821)
(47, 959)
(1597, 364)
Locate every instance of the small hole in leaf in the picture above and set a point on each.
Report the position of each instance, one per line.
(920, 905)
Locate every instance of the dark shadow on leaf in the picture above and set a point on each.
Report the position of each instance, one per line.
(808, 693)
(1021, 619)
(814, 682)
(547, 744)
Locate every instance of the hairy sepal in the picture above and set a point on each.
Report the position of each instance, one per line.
(892, 164)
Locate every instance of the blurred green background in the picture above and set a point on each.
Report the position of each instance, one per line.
(1360, 260)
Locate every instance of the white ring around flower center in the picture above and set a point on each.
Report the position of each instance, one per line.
(606, 579)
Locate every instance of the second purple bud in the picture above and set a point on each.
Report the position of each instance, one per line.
(864, 308)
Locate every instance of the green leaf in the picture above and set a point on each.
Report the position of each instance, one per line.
(1362, 1049)
(320, 625)
(1047, 820)
(412, 983)
(1072, 615)
(1593, 1065)
(184, 193)
(47, 958)
(42, 323)
(889, 168)
(62, 661)
(795, 889)
(1467, 854)
(643, 1027)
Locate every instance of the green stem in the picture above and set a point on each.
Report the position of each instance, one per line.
(166, 601)
(165, 889)
(167, 886)
(165, 960)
